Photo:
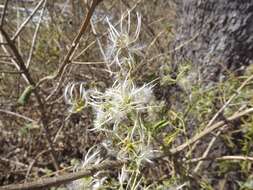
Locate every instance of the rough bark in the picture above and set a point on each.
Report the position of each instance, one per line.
(220, 35)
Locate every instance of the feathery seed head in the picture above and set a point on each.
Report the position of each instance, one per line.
(123, 41)
(76, 96)
(92, 157)
(94, 182)
(122, 99)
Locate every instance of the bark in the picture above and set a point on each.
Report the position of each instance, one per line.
(220, 35)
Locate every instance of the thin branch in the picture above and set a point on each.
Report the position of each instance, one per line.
(20, 164)
(33, 162)
(69, 55)
(103, 34)
(27, 20)
(216, 115)
(205, 154)
(88, 63)
(4, 13)
(11, 72)
(244, 158)
(26, 74)
(18, 115)
(18, 57)
(13, 60)
(184, 44)
(207, 131)
(234, 157)
(230, 99)
(35, 35)
(44, 183)
(98, 41)
(5, 56)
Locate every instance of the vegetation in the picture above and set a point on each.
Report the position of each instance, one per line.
(96, 102)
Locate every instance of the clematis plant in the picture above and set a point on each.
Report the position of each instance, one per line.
(120, 111)
(123, 43)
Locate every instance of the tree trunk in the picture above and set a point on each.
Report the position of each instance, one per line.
(217, 36)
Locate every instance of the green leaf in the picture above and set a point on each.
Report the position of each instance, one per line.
(23, 99)
(161, 124)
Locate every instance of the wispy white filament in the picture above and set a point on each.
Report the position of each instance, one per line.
(123, 42)
(116, 103)
(74, 94)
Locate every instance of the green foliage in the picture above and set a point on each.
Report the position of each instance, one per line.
(247, 185)
(23, 99)
(198, 104)
(205, 185)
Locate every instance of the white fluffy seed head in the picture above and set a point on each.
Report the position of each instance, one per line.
(95, 182)
(92, 157)
(123, 42)
(119, 101)
(76, 96)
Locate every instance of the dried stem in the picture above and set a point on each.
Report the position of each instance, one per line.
(74, 44)
(44, 183)
(205, 154)
(4, 13)
(22, 26)
(17, 115)
(207, 131)
(35, 35)
(31, 82)
(234, 157)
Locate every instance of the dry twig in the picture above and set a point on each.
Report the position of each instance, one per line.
(21, 65)
(205, 154)
(4, 12)
(63, 179)
(207, 131)
(74, 44)
(22, 26)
